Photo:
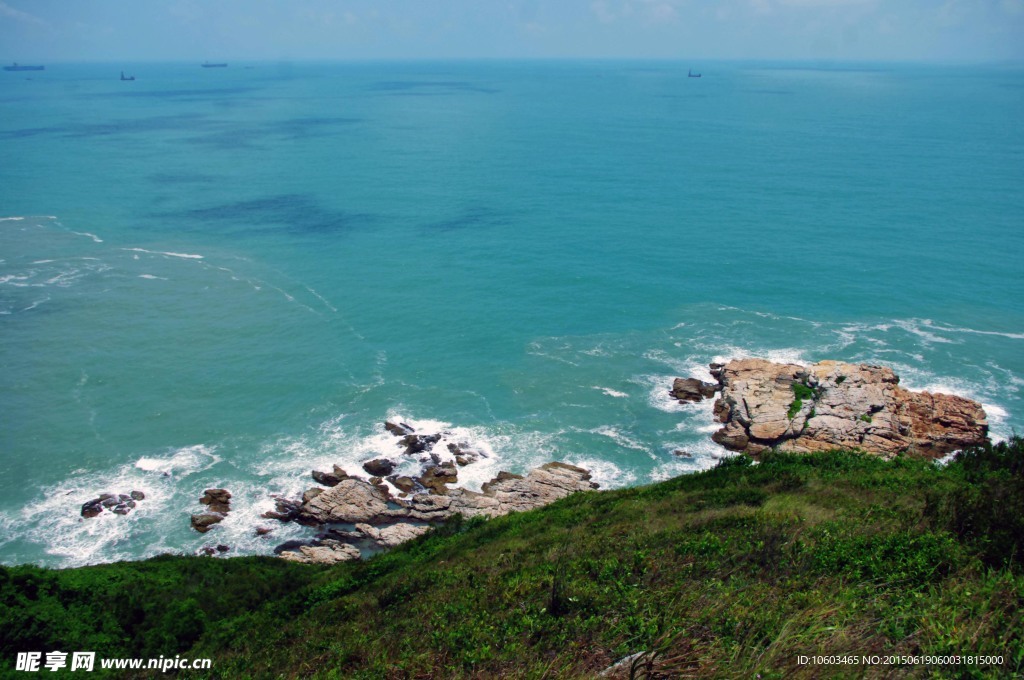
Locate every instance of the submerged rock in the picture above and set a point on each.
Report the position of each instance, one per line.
(832, 405)
(418, 443)
(398, 429)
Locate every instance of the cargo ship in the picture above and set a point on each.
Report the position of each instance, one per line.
(23, 67)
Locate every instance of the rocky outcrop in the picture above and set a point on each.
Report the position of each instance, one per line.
(390, 536)
(327, 552)
(117, 503)
(692, 389)
(352, 500)
(832, 405)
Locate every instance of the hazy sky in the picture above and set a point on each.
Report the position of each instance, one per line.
(127, 30)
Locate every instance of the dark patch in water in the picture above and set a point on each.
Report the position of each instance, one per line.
(197, 94)
(230, 136)
(180, 178)
(308, 127)
(410, 86)
(295, 213)
(471, 218)
(229, 139)
(108, 128)
(824, 69)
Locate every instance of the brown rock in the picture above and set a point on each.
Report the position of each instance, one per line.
(310, 494)
(435, 478)
(379, 467)
(329, 478)
(218, 500)
(403, 483)
(203, 522)
(398, 429)
(692, 389)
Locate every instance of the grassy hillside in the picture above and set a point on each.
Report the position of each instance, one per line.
(732, 572)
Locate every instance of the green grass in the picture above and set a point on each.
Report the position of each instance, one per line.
(800, 392)
(732, 572)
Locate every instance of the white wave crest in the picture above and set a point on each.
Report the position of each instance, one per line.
(187, 256)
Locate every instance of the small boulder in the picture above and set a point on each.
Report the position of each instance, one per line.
(437, 477)
(137, 495)
(330, 478)
(203, 522)
(403, 483)
(692, 389)
(379, 467)
(92, 508)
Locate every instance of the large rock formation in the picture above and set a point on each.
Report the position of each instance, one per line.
(833, 405)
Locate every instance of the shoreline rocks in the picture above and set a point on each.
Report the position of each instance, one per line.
(831, 405)
(381, 521)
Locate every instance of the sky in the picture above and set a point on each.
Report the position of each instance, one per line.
(946, 31)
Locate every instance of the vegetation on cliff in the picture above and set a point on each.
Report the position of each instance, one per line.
(735, 571)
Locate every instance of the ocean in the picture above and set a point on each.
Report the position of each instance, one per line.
(229, 277)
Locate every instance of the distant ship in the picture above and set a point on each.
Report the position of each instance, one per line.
(207, 64)
(124, 77)
(691, 74)
(21, 67)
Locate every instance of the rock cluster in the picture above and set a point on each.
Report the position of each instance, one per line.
(357, 501)
(382, 520)
(218, 502)
(832, 405)
(117, 503)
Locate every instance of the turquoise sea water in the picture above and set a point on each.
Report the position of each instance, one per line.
(228, 277)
